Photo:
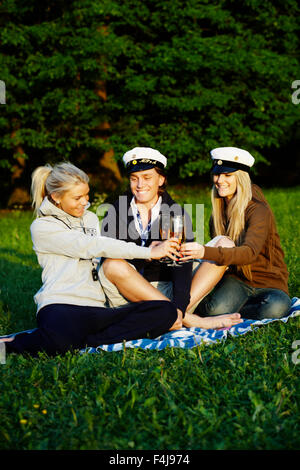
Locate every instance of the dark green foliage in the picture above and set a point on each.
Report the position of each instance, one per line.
(51, 61)
(180, 76)
(193, 75)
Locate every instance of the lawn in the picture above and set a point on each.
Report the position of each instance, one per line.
(240, 394)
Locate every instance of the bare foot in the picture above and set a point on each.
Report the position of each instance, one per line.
(7, 340)
(178, 324)
(219, 321)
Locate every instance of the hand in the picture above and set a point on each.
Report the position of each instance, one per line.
(178, 324)
(191, 250)
(167, 248)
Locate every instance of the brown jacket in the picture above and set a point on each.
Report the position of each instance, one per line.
(261, 249)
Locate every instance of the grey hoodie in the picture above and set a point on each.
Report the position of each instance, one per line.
(67, 248)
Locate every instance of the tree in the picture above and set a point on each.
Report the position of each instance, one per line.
(86, 80)
(52, 61)
(192, 75)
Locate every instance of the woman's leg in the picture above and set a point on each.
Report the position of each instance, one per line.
(128, 282)
(229, 296)
(204, 280)
(124, 279)
(63, 327)
(206, 320)
(207, 275)
(60, 327)
(220, 307)
(148, 319)
(266, 303)
(122, 285)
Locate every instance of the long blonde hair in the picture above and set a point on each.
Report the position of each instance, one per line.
(54, 179)
(229, 219)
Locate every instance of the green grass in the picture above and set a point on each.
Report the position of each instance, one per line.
(240, 394)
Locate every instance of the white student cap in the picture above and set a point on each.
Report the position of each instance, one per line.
(143, 158)
(230, 159)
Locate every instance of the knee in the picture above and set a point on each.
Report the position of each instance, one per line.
(115, 269)
(219, 309)
(211, 306)
(277, 307)
(225, 242)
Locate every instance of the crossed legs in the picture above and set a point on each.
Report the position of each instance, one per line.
(204, 280)
(135, 288)
(129, 282)
(132, 285)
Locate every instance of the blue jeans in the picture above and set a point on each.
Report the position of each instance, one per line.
(233, 295)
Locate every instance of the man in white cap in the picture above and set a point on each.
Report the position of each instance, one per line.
(138, 220)
(143, 158)
(135, 217)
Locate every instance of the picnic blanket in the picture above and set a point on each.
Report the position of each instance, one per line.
(191, 337)
(188, 337)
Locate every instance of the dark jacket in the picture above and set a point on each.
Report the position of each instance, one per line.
(119, 223)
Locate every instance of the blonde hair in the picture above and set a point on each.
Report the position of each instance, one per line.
(54, 179)
(229, 219)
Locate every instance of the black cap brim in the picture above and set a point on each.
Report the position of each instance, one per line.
(218, 169)
(135, 165)
(226, 166)
(139, 167)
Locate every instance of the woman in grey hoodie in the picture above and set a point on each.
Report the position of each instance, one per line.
(70, 304)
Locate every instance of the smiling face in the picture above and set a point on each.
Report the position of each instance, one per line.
(74, 200)
(225, 184)
(144, 186)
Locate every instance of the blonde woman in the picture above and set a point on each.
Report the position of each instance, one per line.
(70, 304)
(256, 281)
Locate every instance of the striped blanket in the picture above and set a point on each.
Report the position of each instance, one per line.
(188, 337)
(191, 337)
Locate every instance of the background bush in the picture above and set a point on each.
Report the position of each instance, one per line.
(83, 77)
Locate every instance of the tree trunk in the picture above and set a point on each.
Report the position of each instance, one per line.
(107, 161)
(20, 195)
(108, 165)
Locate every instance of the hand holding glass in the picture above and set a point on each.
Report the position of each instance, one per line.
(177, 231)
(165, 229)
(171, 226)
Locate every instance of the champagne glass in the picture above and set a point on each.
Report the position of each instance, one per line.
(165, 230)
(177, 231)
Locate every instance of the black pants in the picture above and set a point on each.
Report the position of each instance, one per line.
(63, 327)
